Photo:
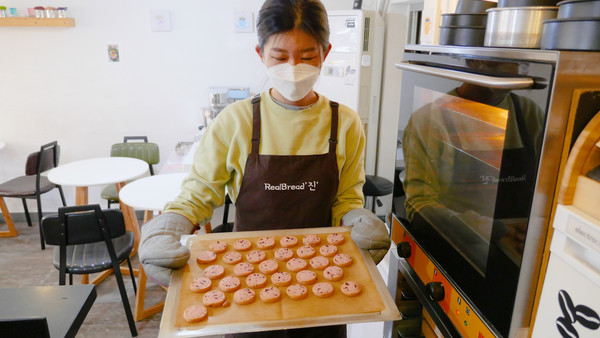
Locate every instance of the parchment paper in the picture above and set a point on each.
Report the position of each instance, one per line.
(312, 307)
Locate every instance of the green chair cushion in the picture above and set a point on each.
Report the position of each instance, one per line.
(110, 193)
(141, 150)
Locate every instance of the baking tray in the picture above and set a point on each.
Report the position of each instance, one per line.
(349, 309)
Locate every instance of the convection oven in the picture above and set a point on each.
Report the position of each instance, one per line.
(480, 144)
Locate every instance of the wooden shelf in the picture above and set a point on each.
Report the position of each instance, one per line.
(52, 22)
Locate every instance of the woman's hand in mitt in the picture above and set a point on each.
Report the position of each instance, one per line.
(160, 249)
(368, 232)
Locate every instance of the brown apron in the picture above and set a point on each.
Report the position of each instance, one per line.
(288, 192)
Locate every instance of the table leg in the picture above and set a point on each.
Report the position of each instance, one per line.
(141, 312)
(11, 232)
(81, 198)
(131, 222)
(81, 195)
(148, 214)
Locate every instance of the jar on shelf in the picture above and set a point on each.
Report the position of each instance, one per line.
(39, 11)
(61, 12)
(50, 12)
(2, 11)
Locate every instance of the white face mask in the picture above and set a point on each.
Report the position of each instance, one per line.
(293, 82)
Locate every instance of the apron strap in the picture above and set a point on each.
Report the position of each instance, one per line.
(334, 126)
(255, 123)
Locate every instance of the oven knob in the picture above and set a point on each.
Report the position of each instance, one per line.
(404, 250)
(435, 290)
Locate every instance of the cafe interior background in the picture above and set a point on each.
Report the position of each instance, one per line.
(58, 83)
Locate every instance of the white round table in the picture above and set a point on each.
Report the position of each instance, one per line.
(152, 192)
(98, 171)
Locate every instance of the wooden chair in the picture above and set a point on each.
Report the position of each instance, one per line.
(91, 240)
(32, 185)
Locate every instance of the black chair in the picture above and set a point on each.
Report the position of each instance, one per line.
(225, 227)
(91, 240)
(33, 184)
(25, 327)
(374, 187)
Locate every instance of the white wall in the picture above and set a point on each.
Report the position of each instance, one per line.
(56, 83)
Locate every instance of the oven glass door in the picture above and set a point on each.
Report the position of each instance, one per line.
(471, 144)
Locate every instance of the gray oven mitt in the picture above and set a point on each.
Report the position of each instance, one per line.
(160, 249)
(368, 232)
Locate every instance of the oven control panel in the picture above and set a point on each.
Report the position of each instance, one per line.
(437, 287)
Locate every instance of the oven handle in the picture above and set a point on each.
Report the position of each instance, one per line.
(476, 79)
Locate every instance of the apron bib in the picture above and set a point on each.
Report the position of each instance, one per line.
(287, 191)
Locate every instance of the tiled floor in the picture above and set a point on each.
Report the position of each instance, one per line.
(22, 263)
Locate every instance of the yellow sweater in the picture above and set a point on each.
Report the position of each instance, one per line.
(220, 158)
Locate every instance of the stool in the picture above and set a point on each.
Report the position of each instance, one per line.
(374, 187)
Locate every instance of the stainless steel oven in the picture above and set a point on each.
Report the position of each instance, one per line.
(481, 138)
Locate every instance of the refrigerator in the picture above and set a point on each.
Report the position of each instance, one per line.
(351, 73)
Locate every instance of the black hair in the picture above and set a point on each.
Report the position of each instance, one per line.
(278, 16)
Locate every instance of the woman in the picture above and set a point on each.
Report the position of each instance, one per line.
(289, 157)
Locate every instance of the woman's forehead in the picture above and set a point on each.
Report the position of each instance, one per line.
(295, 40)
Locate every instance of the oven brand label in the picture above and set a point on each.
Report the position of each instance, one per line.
(488, 179)
(582, 232)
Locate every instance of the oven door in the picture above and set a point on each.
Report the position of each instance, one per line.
(472, 131)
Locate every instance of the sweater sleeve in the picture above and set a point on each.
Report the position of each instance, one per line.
(204, 188)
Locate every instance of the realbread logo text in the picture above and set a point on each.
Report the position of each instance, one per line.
(310, 186)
